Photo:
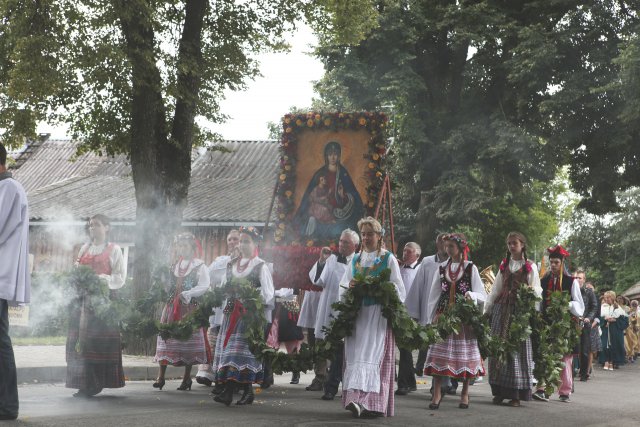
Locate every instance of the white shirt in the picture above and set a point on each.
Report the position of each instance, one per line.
(417, 299)
(533, 279)
(267, 291)
(408, 274)
(477, 292)
(15, 281)
(329, 280)
(203, 278)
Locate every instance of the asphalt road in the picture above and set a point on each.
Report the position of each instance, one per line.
(610, 398)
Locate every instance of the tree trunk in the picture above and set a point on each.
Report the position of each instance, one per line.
(161, 165)
(426, 224)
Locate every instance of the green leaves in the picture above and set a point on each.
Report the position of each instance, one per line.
(519, 326)
(557, 335)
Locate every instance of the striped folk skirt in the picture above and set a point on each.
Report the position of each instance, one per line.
(512, 379)
(234, 361)
(96, 362)
(457, 356)
(192, 351)
(382, 401)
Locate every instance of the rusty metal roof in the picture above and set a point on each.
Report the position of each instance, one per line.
(234, 187)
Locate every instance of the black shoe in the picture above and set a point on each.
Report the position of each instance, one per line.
(434, 406)
(159, 384)
(327, 396)
(419, 372)
(204, 381)
(267, 382)
(355, 409)
(370, 414)
(295, 378)
(403, 391)
(226, 396)
(217, 389)
(315, 386)
(452, 391)
(413, 388)
(247, 396)
(186, 385)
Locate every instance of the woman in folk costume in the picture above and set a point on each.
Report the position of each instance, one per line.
(613, 321)
(369, 353)
(512, 379)
(97, 362)
(234, 362)
(189, 279)
(458, 356)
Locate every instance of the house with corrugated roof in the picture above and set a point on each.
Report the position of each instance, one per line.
(228, 188)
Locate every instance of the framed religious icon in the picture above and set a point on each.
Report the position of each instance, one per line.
(331, 173)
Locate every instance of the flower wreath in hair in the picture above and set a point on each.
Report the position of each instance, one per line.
(462, 244)
(186, 236)
(251, 231)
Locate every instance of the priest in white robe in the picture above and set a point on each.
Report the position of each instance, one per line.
(327, 273)
(418, 294)
(15, 282)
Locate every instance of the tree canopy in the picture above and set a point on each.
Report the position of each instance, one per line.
(489, 99)
(132, 76)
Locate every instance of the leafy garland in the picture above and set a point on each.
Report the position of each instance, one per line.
(411, 335)
(554, 340)
(294, 124)
(519, 328)
(408, 333)
(465, 312)
(253, 318)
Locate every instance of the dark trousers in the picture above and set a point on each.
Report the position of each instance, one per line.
(266, 362)
(585, 349)
(422, 359)
(335, 371)
(406, 373)
(8, 374)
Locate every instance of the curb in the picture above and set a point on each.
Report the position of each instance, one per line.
(57, 374)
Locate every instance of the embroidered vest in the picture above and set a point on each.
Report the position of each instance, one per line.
(253, 277)
(549, 285)
(511, 282)
(460, 287)
(368, 271)
(99, 263)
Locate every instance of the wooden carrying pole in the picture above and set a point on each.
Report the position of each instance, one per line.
(384, 199)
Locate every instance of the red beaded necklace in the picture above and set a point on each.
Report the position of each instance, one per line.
(183, 271)
(242, 268)
(453, 275)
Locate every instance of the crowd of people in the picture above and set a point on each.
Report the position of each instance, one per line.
(365, 363)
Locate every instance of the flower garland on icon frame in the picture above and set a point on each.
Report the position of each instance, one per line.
(294, 124)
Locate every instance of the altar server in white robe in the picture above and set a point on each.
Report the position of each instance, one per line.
(408, 269)
(15, 282)
(327, 273)
(418, 294)
(307, 320)
(370, 350)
